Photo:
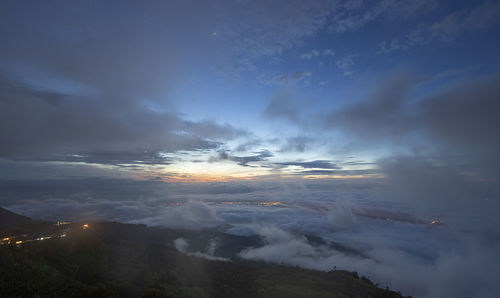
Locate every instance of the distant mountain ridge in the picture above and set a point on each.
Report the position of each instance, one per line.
(9, 218)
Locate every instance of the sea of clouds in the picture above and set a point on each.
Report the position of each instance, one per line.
(391, 242)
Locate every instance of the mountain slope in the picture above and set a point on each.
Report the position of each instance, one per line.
(8, 218)
(122, 260)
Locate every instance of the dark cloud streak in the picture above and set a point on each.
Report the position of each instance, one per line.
(320, 164)
(242, 160)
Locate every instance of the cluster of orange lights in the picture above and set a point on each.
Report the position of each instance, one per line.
(9, 240)
(436, 222)
(26, 238)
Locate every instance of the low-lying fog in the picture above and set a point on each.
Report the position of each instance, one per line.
(418, 249)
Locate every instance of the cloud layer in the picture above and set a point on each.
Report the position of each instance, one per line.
(353, 225)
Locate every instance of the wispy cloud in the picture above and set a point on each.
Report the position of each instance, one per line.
(243, 160)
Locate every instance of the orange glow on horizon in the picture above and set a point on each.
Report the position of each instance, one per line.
(206, 178)
(203, 178)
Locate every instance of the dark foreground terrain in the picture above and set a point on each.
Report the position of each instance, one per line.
(44, 259)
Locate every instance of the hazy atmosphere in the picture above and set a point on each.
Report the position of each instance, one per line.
(370, 124)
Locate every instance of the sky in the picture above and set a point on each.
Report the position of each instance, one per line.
(116, 109)
(199, 91)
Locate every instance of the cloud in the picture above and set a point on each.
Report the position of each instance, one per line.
(391, 46)
(391, 260)
(316, 164)
(152, 203)
(452, 276)
(446, 28)
(338, 172)
(94, 130)
(437, 117)
(345, 64)
(320, 225)
(260, 156)
(484, 15)
(248, 145)
(195, 215)
(328, 52)
(286, 248)
(29, 170)
(341, 215)
(289, 78)
(382, 114)
(266, 29)
(445, 144)
(243, 160)
(113, 58)
(285, 105)
(313, 53)
(300, 75)
(317, 53)
(475, 101)
(297, 144)
(182, 245)
(443, 186)
(356, 14)
(94, 105)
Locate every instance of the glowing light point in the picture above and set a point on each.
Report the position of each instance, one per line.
(85, 226)
(60, 223)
